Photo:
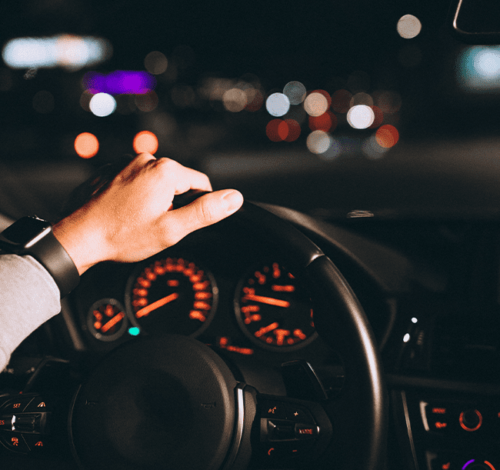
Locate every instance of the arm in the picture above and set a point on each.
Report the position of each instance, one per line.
(129, 220)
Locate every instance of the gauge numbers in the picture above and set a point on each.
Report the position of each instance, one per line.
(171, 295)
(273, 309)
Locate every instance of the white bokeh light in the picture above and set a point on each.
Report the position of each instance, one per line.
(360, 117)
(487, 63)
(409, 26)
(102, 104)
(295, 91)
(277, 104)
(318, 142)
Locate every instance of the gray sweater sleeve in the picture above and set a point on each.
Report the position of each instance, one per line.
(28, 298)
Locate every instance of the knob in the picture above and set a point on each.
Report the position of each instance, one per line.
(477, 465)
(471, 420)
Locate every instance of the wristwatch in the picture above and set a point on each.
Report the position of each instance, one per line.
(33, 236)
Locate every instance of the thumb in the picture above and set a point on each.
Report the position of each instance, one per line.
(206, 210)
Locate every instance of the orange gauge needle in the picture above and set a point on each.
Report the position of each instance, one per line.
(111, 323)
(267, 300)
(159, 303)
(266, 329)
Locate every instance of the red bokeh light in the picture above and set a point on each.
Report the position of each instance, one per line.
(379, 117)
(326, 122)
(387, 136)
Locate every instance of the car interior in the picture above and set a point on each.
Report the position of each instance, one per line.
(346, 317)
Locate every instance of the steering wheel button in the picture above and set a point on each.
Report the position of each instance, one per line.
(35, 442)
(38, 404)
(273, 409)
(18, 404)
(15, 441)
(6, 423)
(306, 431)
(298, 413)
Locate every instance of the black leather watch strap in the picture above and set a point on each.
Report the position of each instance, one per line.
(52, 255)
(34, 236)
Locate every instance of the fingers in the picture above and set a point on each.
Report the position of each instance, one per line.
(176, 177)
(204, 211)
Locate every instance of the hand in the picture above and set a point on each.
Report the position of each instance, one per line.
(132, 218)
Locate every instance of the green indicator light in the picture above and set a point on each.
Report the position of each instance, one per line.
(134, 331)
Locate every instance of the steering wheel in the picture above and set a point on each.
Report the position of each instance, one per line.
(171, 402)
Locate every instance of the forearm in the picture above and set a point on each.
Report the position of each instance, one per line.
(29, 297)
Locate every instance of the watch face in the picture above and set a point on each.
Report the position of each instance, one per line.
(24, 231)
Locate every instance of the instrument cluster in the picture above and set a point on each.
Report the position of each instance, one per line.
(238, 301)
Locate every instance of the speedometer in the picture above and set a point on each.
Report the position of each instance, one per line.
(274, 309)
(171, 295)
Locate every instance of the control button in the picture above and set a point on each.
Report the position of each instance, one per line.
(15, 441)
(38, 404)
(298, 413)
(36, 443)
(6, 423)
(273, 409)
(435, 417)
(17, 405)
(306, 431)
(280, 430)
(470, 420)
(26, 423)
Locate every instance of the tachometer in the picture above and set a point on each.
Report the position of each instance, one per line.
(273, 309)
(171, 295)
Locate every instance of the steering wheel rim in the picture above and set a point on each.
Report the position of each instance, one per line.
(359, 413)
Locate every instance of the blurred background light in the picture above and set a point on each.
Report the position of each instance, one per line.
(372, 149)
(341, 100)
(119, 82)
(388, 101)
(334, 151)
(292, 129)
(147, 102)
(102, 105)
(145, 141)
(387, 136)
(327, 122)
(235, 100)
(318, 142)
(156, 63)
(86, 145)
(361, 98)
(316, 104)
(277, 104)
(68, 51)
(43, 102)
(275, 131)
(478, 68)
(255, 99)
(378, 117)
(360, 116)
(295, 91)
(409, 26)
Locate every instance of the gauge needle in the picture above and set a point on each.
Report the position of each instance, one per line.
(266, 329)
(159, 303)
(111, 323)
(267, 300)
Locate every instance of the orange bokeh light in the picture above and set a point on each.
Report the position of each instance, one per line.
(145, 141)
(326, 122)
(387, 136)
(86, 145)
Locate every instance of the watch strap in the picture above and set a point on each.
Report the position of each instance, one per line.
(52, 255)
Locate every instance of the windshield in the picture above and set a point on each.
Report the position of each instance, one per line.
(328, 107)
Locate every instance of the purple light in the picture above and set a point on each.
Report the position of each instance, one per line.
(468, 463)
(120, 82)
